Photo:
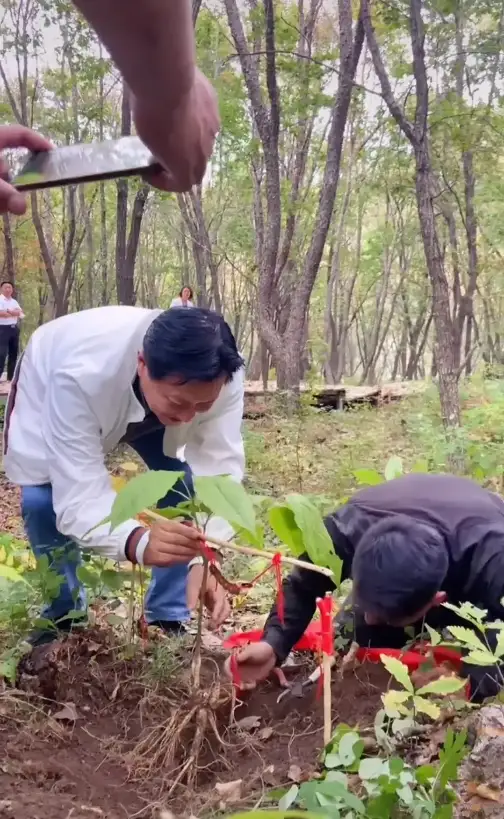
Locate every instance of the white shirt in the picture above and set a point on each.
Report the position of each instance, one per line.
(179, 303)
(9, 304)
(73, 403)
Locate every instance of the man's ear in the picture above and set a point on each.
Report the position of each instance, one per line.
(439, 598)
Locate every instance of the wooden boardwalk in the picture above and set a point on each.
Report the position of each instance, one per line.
(333, 397)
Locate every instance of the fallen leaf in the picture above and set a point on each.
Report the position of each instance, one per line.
(68, 713)
(248, 723)
(129, 466)
(269, 775)
(229, 791)
(484, 791)
(115, 692)
(265, 733)
(294, 773)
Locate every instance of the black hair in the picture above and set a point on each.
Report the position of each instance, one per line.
(398, 567)
(186, 287)
(7, 282)
(192, 345)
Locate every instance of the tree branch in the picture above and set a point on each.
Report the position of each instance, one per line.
(388, 95)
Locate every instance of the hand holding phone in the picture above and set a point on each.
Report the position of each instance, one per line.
(73, 164)
(16, 136)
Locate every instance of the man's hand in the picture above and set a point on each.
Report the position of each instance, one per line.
(182, 139)
(171, 542)
(214, 598)
(255, 662)
(16, 136)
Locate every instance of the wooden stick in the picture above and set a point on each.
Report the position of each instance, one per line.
(326, 667)
(248, 550)
(325, 608)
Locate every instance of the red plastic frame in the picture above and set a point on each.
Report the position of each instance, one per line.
(310, 641)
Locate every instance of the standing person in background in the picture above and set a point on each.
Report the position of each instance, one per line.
(184, 298)
(10, 315)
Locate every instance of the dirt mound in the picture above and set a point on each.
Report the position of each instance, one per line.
(69, 736)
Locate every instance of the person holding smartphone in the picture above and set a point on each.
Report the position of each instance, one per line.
(174, 106)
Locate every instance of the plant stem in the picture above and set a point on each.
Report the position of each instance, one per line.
(248, 550)
(196, 663)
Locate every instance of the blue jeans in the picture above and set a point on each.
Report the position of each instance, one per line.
(166, 596)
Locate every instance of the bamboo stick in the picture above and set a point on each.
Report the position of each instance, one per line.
(248, 550)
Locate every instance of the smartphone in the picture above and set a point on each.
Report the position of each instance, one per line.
(73, 164)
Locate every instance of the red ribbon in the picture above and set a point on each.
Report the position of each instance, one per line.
(326, 640)
(233, 667)
(326, 623)
(207, 552)
(277, 565)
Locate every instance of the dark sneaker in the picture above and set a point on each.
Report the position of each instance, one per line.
(174, 628)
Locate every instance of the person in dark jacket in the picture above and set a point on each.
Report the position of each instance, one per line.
(409, 545)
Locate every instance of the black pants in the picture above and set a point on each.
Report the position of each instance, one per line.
(9, 349)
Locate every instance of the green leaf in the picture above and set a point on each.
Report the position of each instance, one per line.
(368, 477)
(228, 499)
(423, 706)
(289, 798)
(499, 648)
(284, 525)
(140, 493)
(425, 774)
(112, 579)
(337, 776)
(393, 702)
(396, 765)
(371, 768)
(350, 748)
(434, 637)
(394, 468)
(316, 539)
(444, 685)
(87, 577)
(398, 670)
(12, 575)
(480, 658)
(467, 637)
(332, 761)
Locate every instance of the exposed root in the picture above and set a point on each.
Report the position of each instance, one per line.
(175, 745)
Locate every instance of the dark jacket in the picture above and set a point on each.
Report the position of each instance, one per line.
(471, 520)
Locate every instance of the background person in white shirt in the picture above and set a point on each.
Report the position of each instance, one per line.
(159, 381)
(184, 298)
(10, 314)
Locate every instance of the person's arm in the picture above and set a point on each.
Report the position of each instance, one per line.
(174, 106)
(216, 445)
(152, 44)
(300, 590)
(82, 490)
(17, 310)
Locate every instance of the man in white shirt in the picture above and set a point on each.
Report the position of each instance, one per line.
(160, 381)
(10, 314)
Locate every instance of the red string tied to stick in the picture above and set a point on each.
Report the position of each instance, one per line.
(235, 673)
(208, 553)
(277, 566)
(326, 638)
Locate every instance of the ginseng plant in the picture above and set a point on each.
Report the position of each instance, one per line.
(297, 524)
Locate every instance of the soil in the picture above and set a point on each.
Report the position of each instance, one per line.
(70, 732)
